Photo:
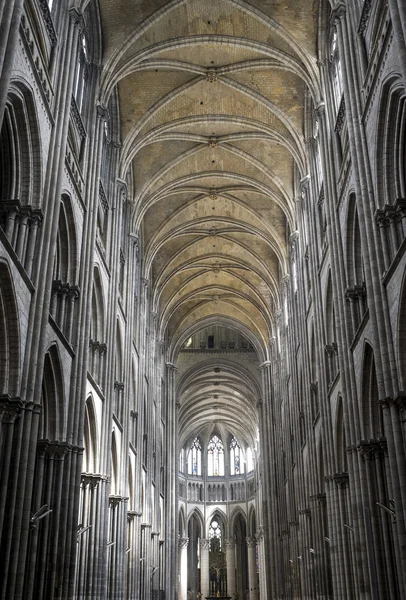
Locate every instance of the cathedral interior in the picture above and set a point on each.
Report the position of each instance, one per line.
(202, 299)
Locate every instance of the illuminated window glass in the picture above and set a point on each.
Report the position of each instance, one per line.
(215, 536)
(250, 460)
(195, 458)
(215, 457)
(182, 461)
(236, 461)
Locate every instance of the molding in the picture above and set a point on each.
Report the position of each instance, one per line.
(49, 24)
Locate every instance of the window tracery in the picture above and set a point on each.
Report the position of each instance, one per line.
(195, 458)
(236, 458)
(215, 457)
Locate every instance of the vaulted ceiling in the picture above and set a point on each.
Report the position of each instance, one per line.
(212, 98)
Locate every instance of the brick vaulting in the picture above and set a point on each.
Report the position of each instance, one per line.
(202, 299)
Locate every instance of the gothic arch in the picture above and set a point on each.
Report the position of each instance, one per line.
(97, 331)
(371, 415)
(20, 149)
(340, 438)
(330, 324)
(182, 522)
(355, 274)
(52, 422)
(9, 334)
(235, 514)
(199, 518)
(401, 337)
(391, 142)
(67, 257)
(119, 368)
(114, 468)
(90, 438)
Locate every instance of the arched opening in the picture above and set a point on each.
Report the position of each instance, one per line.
(9, 335)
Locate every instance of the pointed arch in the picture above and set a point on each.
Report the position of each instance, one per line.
(9, 334)
(20, 149)
(114, 466)
(371, 416)
(401, 336)
(67, 257)
(52, 421)
(341, 442)
(90, 438)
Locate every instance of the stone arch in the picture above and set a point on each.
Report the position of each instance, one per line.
(52, 418)
(340, 437)
(391, 142)
(119, 370)
(9, 334)
(371, 412)
(240, 532)
(114, 481)
(356, 291)
(90, 438)
(97, 331)
(227, 322)
(401, 337)
(20, 149)
(66, 257)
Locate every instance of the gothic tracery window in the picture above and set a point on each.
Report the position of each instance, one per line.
(195, 458)
(215, 536)
(236, 460)
(81, 73)
(215, 457)
(250, 460)
(336, 72)
(182, 461)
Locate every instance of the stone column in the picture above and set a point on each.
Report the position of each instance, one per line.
(171, 483)
(230, 558)
(252, 567)
(261, 559)
(183, 544)
(10, 16)
(204, 566)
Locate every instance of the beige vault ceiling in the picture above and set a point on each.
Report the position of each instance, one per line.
(212, 96)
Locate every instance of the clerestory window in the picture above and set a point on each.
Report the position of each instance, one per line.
(215, 457)
(236, 461)
(195, 458)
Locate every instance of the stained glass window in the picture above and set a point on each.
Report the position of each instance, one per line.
(215, 536)
(236, 460)
(195, 458)
(215, 457)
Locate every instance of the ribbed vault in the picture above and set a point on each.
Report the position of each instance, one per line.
(213, 95)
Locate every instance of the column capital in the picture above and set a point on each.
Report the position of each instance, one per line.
(183, 542)
(204, 544)
(77, 19)
(103, 112)
(265, 365)
(294, 237)
(251, 541)
(230, 543)
(320, 109)
(338, 12)
(171, 367)
(259, 534)
(122, 188)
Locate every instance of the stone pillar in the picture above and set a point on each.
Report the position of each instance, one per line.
(171, 533)
(230, 558)
(11, 12)
(261, 559)
(183, 544)
(252, 567)
(204, 566)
